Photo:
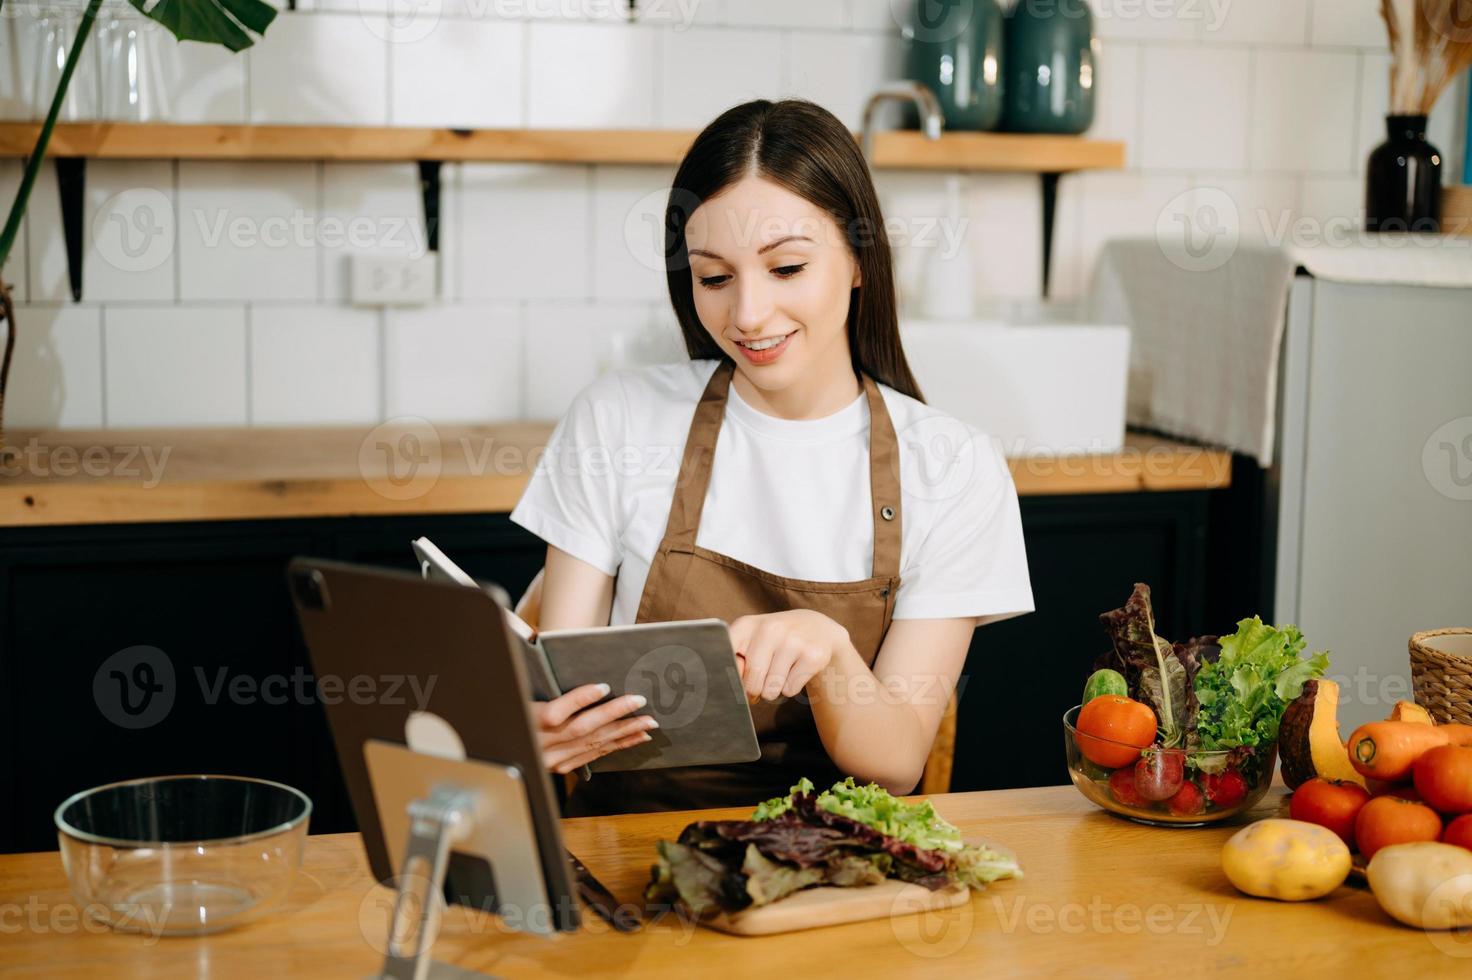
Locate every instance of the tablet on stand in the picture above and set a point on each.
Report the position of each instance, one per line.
(443, 766)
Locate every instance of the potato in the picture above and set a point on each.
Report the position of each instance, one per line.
(1288, 860)
(1425, 884)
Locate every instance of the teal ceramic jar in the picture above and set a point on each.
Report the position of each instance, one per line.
(955, 49)
(1050, 79)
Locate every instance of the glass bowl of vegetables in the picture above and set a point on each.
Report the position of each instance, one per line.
(1153, 784)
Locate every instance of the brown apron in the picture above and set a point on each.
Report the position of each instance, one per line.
(687, 581)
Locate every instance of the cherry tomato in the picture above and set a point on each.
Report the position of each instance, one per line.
(1444, 778)
(1159, 773)
(1187, 801)
(1112, 730)
(1226, 788)
(1331, 803)
(1122, 787)
(1459, 832)
(1387, 820)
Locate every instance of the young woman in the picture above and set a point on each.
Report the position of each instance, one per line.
(788, 479)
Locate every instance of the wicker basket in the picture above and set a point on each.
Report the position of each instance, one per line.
(1441, 673)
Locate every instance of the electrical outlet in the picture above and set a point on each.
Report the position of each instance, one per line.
(384, 281)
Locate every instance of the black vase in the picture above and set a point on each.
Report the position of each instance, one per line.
(1403, 182)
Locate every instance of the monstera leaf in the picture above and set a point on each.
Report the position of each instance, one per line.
(227, 22)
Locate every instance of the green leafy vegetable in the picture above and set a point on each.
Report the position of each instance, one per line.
(1245, 691)
(873, 806)
(846, 836)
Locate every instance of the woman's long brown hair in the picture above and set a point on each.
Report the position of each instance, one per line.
(804, 148)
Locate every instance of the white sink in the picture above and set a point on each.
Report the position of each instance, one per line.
(1041, 390)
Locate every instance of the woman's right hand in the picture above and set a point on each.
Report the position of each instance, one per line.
(573, 733)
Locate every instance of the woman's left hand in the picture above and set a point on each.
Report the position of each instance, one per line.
(780, 652)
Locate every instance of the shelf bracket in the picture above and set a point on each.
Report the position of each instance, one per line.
(1050, 208)
(429, 190)
(71, 183)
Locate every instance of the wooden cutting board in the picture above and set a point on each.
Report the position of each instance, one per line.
(828, 906)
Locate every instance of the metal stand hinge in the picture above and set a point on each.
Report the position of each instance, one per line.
(435, 823)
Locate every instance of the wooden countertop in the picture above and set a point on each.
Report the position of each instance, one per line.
(1100, 896)
(138, 476)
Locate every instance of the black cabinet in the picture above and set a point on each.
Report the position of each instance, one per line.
(139, 650)
(94, 620)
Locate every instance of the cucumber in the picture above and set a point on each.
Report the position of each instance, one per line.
(1105, 682)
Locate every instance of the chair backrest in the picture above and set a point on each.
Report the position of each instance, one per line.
(937, 775)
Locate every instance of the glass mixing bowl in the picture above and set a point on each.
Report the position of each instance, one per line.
(1213, 786)
(175, 855)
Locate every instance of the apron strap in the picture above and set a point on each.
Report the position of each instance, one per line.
(695, 466)
(884, 485)
(699, 458)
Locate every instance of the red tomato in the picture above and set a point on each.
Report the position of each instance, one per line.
(1187, 802)
(1459, 832)
(1122, 787)
(1226, 788)
(1387, 820)
(1127, 725)
(1331, 803)
(1444, 778)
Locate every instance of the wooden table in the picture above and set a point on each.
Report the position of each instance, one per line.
(145, 475)
(1100, 897)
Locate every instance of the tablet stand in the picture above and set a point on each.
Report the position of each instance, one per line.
(478, 810)
(434, 824)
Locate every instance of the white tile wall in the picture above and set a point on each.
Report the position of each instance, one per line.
(568, 345)
(1117, 113)
(175, 365)
(204, 83)
(524, 232)
(368, 209)
(1336, 22)
(879, 15)
(321, 68)
(313, 365)
(704, 72)
(1266, 204)
(823, 14)
(247, 230)
(48, 280)
(15, 269)
(592, 76)
(56, 377)
(1303, 111)
(839, 71)
(1274, 102)
(129, 231)
(628, 232)
(454, 363)
(1258, 22)
(464, 74)
(1195, 108)
(1157, 20)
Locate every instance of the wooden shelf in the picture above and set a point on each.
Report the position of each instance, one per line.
(1002, 152)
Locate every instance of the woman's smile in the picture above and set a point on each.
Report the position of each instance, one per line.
(767, 349)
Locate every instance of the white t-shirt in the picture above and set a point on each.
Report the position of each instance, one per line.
(791, 497)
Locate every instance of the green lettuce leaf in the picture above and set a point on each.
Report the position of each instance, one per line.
(1244, 692)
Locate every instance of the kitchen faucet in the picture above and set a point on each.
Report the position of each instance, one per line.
(931, 120)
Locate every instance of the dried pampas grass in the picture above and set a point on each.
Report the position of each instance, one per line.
(1430, 44)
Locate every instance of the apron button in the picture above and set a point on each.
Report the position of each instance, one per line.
(884, 592)
(887, 513)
